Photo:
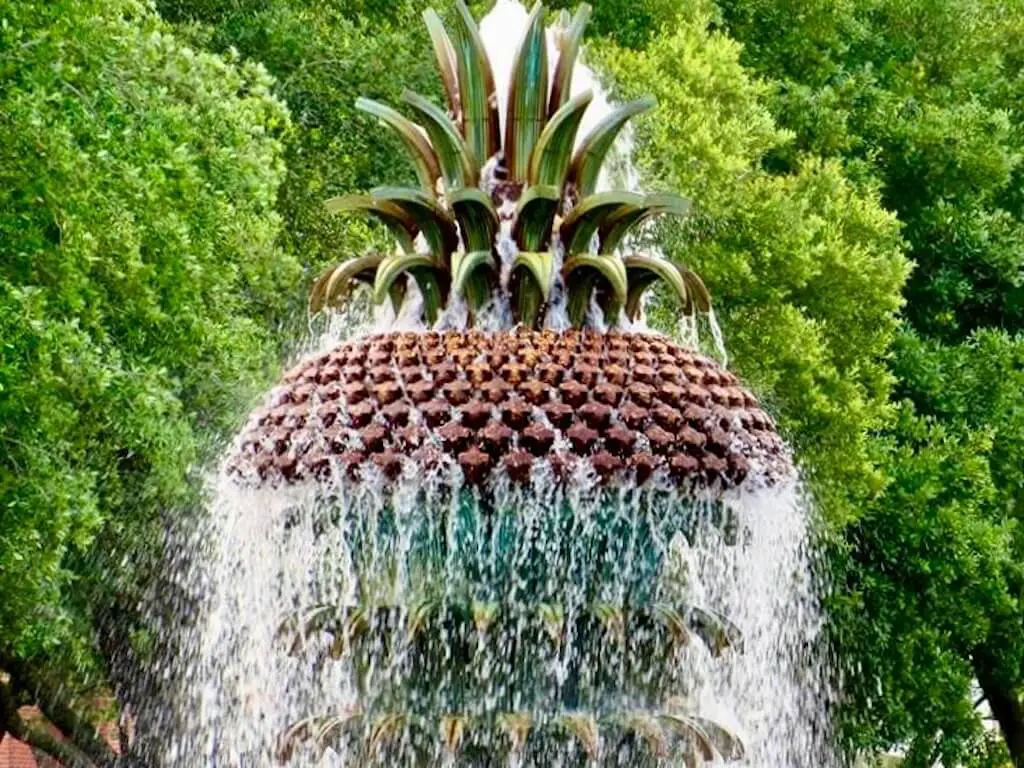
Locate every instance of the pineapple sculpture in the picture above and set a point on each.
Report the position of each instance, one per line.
(525, 368)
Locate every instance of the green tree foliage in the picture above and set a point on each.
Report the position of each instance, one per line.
(139, 283)
(926, 97)
(805, 267)
(323, 56)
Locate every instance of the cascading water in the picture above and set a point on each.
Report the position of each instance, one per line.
(367, 608)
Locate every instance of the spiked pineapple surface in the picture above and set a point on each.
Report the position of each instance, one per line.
(632, 406)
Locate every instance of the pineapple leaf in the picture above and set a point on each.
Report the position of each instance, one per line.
(428, 167)
(648, 728)
(613, 617)
(697, 289)
(692, 731)
(532, 277)
(401, 223)
(726, 742)
(517, 726)
(478, 102)
(527, 97)
(617, 226)
(470, 278)
(457, 162)
(717, 632)
(568, 49)
(586, 164)
(584, 728)
(581, 272)
(484, 614)
(476, 216)
(673, 620)
(385, 728)
(552, 617)
(336, 283)
(432, 221)
(535, 217)
(420, 614)
(642, 271)
(423, 270)
(553, 152)
(582, 222)
(330, 728)
(453, 727)
(445, 54)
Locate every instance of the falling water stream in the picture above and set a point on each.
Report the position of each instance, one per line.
(455, 611)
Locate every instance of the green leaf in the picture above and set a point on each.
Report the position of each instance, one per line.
(428, 167)
(553, 152)
(400, 221)
(586, 165)
(643, 271)
(568, 49)
(517, 725)
(582, 222)
(456, 160)
(470, 276)
(717, 632)
(582, 273)
(423, 270)
(527, 97)
(648, 728)
(535, 217)
(336, 283)
(478, 100)
(433, 221)
(617, 225)
(692, 731)
(477, 217)
(444, 52)
(533, 274)
(584, 728)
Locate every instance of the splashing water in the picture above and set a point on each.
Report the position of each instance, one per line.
(325, 604)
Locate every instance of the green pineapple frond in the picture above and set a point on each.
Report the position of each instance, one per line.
(529, 197)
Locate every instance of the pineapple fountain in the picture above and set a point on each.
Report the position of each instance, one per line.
(508, 525)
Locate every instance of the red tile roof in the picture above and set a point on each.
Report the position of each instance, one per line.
(16, 754)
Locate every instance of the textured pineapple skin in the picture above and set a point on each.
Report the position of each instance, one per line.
(634, 406)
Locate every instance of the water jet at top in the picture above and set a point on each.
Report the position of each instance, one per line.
(515, 527)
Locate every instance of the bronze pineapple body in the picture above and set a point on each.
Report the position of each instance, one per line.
(630, 406)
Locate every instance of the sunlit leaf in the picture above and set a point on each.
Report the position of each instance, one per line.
(582, 222)
(535, 217)
(568, 49)
(615, 228)
(673, 620)
(586, 164)
(431, 219)
(334, 285)
(649, 729)
(584, 728)
(453, 728)
(552, 154)
(430, 279)
(517, 726)
(533, 275)
(473, 274)
(478, 100)
(478, 220)
(643, 271)
(457, 162)
(527, 97)
(583, 273)
(428, 167)
(400, 221)
(385, 728)
(444, 52)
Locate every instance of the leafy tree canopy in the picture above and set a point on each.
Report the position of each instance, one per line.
(139, 286)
